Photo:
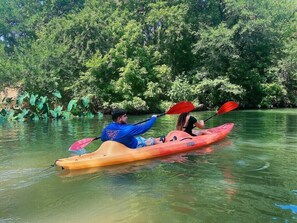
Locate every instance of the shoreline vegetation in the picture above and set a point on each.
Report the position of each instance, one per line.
(85, 57)
(21, 107)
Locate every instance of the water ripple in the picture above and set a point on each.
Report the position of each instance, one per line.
(20, 178)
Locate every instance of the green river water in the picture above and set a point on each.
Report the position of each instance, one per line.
(251, 176)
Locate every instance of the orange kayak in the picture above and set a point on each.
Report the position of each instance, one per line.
(114, 153)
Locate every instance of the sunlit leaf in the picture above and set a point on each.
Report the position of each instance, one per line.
(57, 94)
(25, 112)
(66, 114)
(33, 99)
(56, 112)
(21, 98)
(58, 109)
(86, 101)
(10, 115)
(71, 104)
(41, 102)
(53, 113)
(100, 115)
(39, 105)
(35, 117)
(90, 115)
(20, 117)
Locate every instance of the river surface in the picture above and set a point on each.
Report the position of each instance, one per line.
(251, 176)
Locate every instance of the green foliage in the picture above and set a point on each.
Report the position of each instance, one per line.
(135, 104)
(57, 94)
(143, 54)
(56, 112)
(21, 98)
(181, 90)
(100, 115)
(85, 101)
(214, 92)
(33, 99)
(32, 107)
(41, 102)
(71, 104)
(274, 95)
(8, 114)
(286, 69)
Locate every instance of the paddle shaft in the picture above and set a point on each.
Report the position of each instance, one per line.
(149, 119)
(210, 117)
(99, 137)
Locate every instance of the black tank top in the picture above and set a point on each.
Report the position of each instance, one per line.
(190, 125)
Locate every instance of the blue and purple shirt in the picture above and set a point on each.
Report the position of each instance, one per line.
(124, 133)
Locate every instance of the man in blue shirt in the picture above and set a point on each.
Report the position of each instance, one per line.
(124, 133)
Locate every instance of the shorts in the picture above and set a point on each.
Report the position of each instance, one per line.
(142, 142)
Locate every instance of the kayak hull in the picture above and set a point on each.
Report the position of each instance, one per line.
(114, 153)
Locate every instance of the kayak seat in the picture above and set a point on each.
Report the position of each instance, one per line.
(177, 135)
(108, 148)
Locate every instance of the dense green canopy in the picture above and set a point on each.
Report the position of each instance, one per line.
(144, 54)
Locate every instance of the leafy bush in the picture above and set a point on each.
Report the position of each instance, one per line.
(134, 105)
(214, 92)
(181, 90)
(34, 107)
(274, 95)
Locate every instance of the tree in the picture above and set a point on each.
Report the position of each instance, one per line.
(141, 54)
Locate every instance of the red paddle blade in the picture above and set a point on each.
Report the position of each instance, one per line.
(80, 144)
(228, 106)
(181, 107)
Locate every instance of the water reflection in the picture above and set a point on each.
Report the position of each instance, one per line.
(249, 176)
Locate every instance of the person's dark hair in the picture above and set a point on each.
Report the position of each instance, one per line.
(117, 113)
(181, 121)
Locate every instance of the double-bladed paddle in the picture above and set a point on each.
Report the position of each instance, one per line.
(227, 107)
(181, 107)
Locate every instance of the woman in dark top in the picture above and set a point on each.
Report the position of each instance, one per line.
(187, 123)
